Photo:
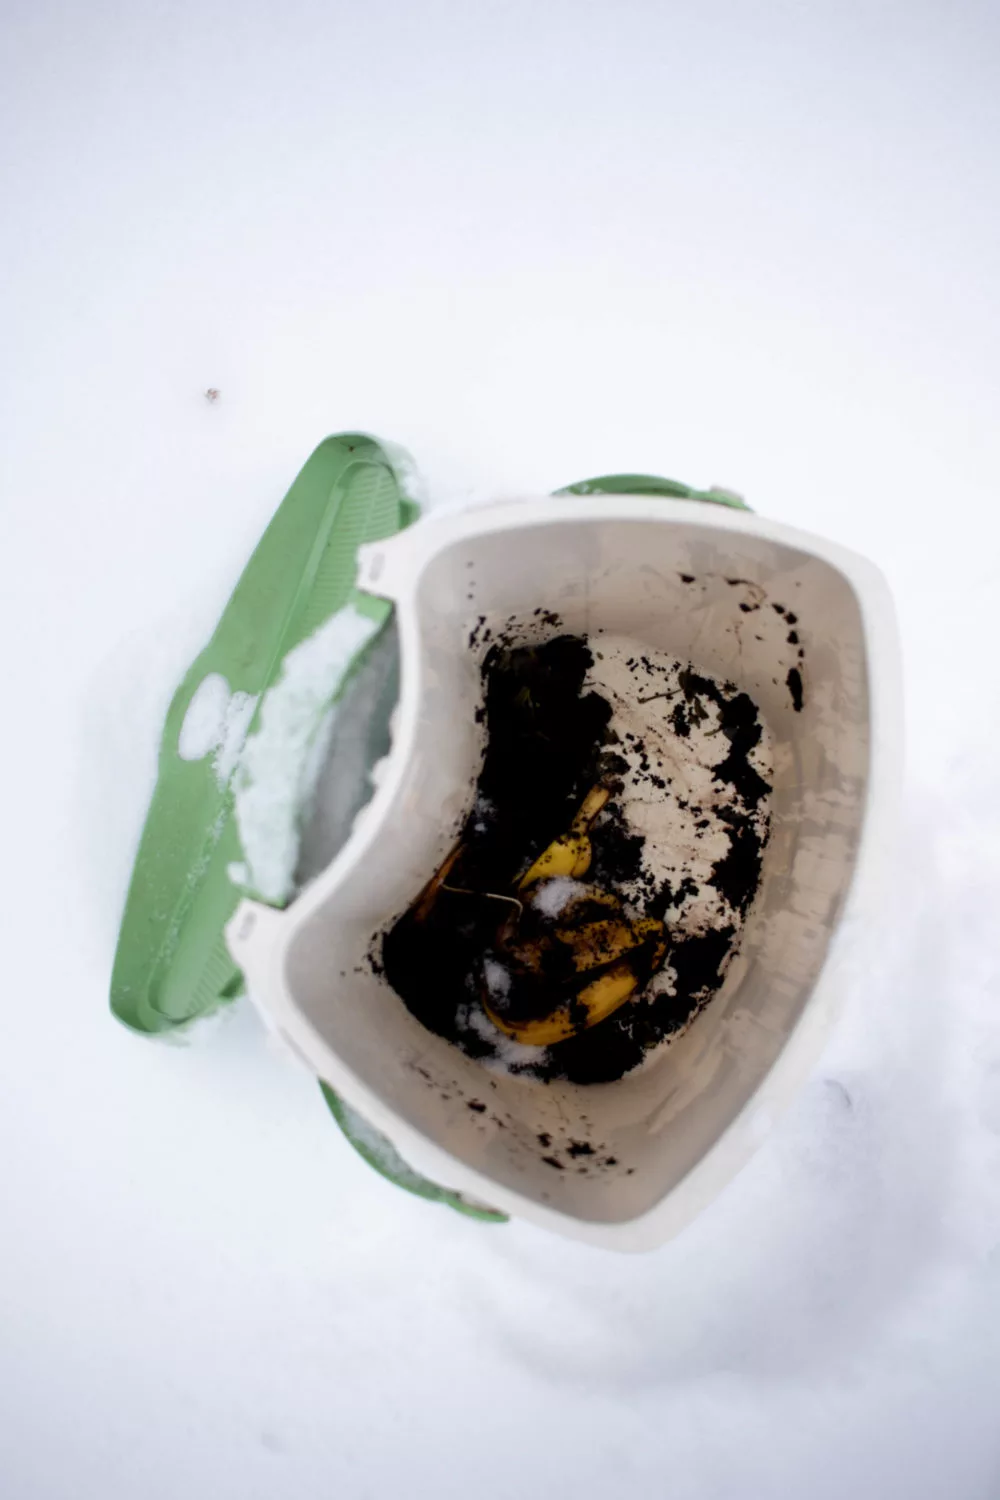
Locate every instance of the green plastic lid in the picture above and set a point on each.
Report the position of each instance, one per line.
(172, 965)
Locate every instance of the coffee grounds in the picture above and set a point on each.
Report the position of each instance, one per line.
(548, 743)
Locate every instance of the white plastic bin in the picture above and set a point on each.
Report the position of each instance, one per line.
(680, 1126)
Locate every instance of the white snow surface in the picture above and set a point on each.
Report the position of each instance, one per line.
(508, 1055)
(216, 721)
(282, 758)
(758, 248)
(552, 896)
(497, 977)
(204, 723)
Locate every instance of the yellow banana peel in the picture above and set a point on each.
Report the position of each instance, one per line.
(601, 998)
(596, 944)
(570, 854)
(609, 944)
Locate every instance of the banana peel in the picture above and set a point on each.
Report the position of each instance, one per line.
(646, 943)
(597, 944)
(587, 896)
(594, 1003)
(620, 952)
(571, 854)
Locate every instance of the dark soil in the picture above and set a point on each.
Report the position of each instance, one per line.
(548, 743)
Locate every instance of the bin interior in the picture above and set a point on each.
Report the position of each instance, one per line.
(675, 587)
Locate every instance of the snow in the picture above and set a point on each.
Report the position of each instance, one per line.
(759, 250)
(280, 764)
(497, 977)
(216, 721)
(203, 725)
(275, 771)
(508, 1056)
(356, 737)
(239, 712)
(551, 897)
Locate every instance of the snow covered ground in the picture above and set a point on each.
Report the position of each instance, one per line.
(756, 246)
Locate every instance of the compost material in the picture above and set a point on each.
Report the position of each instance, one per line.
(677, 766)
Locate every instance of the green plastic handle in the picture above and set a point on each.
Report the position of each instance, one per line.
(379, 1152)
(652, 484)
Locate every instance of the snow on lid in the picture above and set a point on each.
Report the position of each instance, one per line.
(216, 720)
(204, 722)
(239, 712)
(278, 764)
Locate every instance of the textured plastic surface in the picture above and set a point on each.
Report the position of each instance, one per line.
(652, 484)
(171, 965)
(379, 1152)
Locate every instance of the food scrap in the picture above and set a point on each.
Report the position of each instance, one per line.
(597, 888)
